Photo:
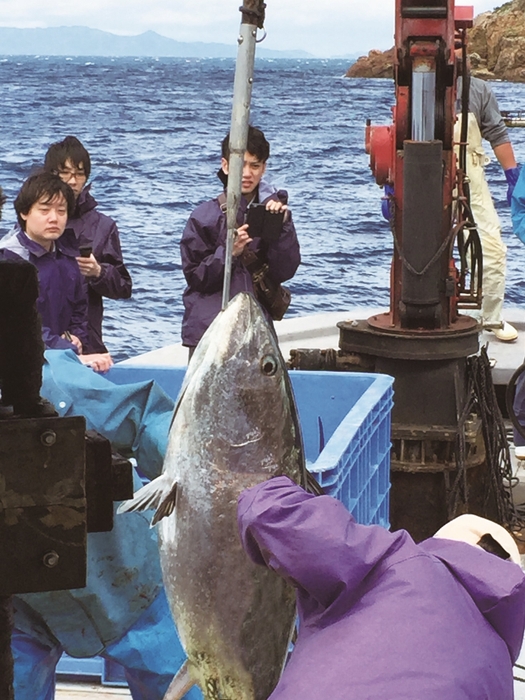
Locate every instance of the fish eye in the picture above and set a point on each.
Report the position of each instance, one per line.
(269, 365)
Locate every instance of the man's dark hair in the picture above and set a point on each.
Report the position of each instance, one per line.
(257, 145)
(43, 186)
(68, 149)
(489, 544)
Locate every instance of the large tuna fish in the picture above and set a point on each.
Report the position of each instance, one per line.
(235, 425)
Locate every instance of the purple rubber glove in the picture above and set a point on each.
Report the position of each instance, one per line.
(385, 200)
(512, 175)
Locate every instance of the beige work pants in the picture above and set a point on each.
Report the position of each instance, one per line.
(489, 226)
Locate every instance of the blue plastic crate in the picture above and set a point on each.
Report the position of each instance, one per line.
(345, 421)
(87, 669)
(348, 415)
(113, 673)
(95, 669)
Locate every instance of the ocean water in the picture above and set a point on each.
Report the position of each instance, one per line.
(153, 128)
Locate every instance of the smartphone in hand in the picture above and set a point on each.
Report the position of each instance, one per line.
(85, 251)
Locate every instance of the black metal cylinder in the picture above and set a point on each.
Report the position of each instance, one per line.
(422, 283)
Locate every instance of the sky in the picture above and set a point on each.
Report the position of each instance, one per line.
(322, 27)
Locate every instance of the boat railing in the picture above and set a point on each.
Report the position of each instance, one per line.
(514, 118)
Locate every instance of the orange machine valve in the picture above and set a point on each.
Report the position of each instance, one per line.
(380, 145)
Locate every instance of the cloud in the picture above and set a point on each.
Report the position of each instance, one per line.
(327, 27)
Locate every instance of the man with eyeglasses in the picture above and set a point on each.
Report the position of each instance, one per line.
(100, 259)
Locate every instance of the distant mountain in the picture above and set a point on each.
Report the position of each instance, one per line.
(82, 41)
(347, 56)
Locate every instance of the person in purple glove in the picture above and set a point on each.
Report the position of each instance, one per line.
(100, 260)
(485, 122)
(381, 616)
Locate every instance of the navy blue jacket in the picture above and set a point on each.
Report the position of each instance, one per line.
(101, 233)
(203, 247)
(62, 301)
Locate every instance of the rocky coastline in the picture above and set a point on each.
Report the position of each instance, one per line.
(496, 45)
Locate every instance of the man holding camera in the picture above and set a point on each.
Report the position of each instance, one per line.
(203, 243)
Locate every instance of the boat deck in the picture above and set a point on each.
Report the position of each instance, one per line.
(320, 331)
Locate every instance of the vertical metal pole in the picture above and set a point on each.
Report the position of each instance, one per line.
(252, 17)
(423, 102)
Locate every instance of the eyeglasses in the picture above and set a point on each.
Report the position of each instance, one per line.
(66, 175)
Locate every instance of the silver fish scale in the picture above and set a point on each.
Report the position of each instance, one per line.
(234, 426)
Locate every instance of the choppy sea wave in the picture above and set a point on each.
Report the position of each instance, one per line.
(154, 127)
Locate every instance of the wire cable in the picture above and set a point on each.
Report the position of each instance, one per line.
(482, 400)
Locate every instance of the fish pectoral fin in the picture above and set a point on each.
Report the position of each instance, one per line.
(160, 494)
(166, 506)
(180, 685)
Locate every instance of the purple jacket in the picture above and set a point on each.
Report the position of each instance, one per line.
(380, 616)
(101, 233)
(203, 247)
(62, 302)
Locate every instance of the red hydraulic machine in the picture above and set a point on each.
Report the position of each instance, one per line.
(423, 341)
(416, 156)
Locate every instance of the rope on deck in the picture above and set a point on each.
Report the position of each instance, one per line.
(482, 400)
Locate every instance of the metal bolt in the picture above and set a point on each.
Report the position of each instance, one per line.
(240, 40)
(48, 438)
(50, 559)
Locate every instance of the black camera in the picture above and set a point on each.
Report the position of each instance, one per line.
(263, 223)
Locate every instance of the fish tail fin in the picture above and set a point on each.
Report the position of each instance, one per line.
(160, 494)
(181, 684)
(312, 485)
